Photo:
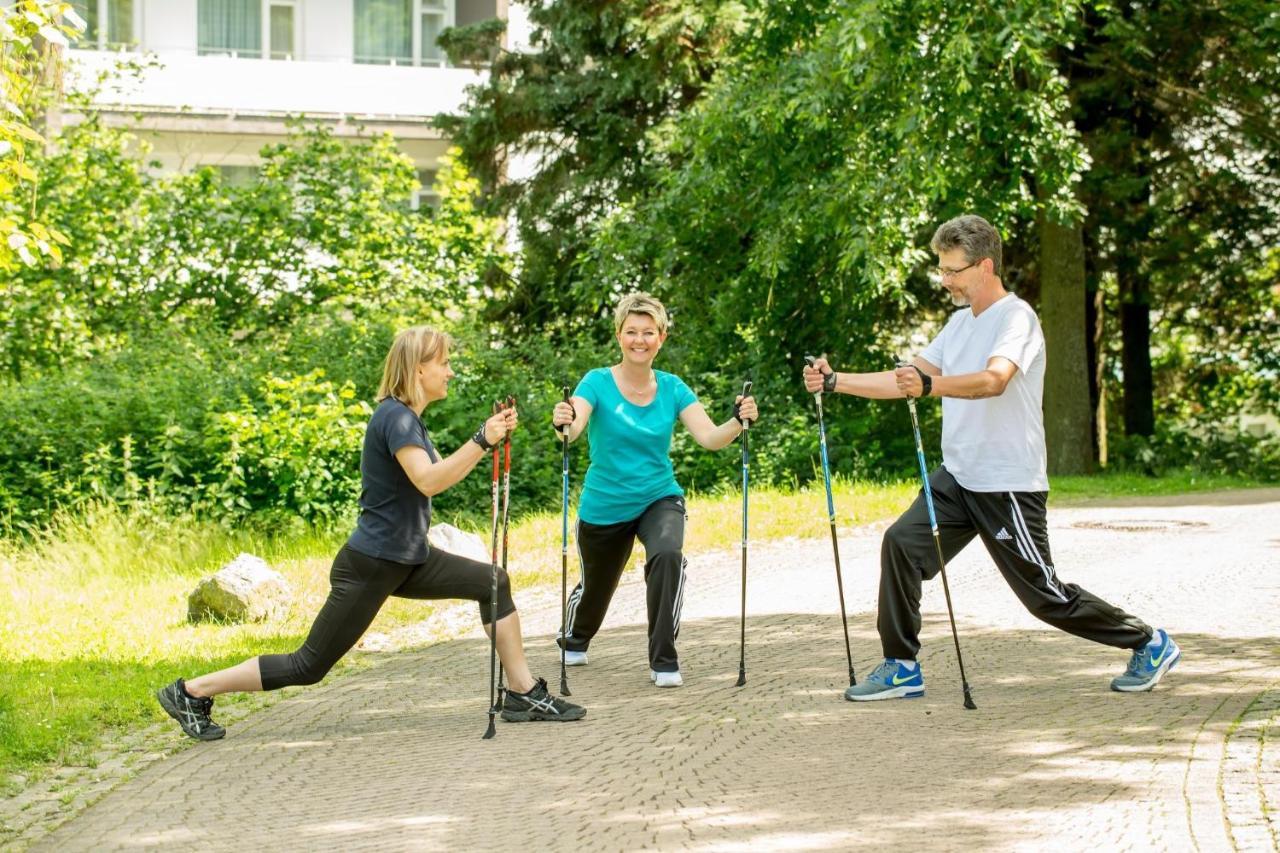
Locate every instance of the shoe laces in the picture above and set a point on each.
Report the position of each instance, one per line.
(1136, 661)
(885, 671)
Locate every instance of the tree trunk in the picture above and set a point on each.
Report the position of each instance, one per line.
(1067, 413)
(1095, 326)
(1135, 330)
(1095, 315)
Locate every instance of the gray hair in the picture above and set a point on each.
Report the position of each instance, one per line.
(974, 235)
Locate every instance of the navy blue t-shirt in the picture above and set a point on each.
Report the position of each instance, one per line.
(394, 515)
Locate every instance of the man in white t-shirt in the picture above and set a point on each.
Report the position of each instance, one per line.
(987, 365)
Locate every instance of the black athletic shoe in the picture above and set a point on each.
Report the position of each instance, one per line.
(191, 713)
(539, 704)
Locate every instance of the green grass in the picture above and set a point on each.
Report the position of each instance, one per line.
(95, 610)
(1123, 484)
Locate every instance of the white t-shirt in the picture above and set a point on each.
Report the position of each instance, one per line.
(994, 444)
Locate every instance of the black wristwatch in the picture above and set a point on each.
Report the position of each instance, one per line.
(829, 382)
(480, 439)
(926, 380)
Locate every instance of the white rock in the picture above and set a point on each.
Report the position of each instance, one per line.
(446, 537)
(244, 590)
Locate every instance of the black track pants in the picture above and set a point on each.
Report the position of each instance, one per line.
(603, 550)
(1013, 528)
(358, 586)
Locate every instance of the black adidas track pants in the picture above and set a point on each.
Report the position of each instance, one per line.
(603, 551)
(1013, 528)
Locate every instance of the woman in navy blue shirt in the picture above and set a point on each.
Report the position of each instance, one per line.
(388, 553)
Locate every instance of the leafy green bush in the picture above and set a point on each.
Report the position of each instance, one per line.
(1211, 447)
(121, 427)
(294, 454)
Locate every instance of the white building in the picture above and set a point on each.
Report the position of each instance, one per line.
(232, 71)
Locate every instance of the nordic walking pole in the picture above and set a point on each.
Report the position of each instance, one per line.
(506, 512)
(937, 544)
(493, 596)
(742, 645)
(564, 547)
(831, 515)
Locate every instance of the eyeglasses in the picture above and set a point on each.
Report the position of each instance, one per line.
(943, 272)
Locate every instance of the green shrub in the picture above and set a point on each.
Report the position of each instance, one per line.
(121, 427)
(1206, 446)
(296, 453)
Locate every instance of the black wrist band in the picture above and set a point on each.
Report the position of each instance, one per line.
(829, 382)
(737, 414)
(926, 380)
(480, 439)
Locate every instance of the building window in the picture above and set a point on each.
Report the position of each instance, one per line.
(401, 32)
(109, 23)
(230, 27)
(425, 198)
(236, 28)
(238, 176)
(282, 22)
(431, 20)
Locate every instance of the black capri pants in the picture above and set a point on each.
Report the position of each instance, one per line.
(358, 586)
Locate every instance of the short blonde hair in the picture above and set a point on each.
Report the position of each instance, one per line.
(411, 347)
(639, 303)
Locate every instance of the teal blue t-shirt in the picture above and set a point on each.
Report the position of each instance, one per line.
(630, 447)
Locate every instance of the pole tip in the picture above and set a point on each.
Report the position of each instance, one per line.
(564, 688)
(490, 732)
(742, 678)
(968, 701)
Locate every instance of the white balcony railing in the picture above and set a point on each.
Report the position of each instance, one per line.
(259, 86)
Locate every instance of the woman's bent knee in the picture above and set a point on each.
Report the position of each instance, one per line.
(292, 670)
(506, 605)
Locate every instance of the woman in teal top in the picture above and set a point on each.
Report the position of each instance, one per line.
(629, 411)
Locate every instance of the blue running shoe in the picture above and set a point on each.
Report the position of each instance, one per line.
(1148, 665)
(891, 680)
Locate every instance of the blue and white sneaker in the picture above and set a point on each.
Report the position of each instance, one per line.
(1148, 664)
(891, 680)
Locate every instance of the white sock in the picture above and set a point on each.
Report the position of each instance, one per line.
(1155, 638)
(909, 664)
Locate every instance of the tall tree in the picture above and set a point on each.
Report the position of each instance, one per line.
(589, 105)
(782, 194)
(788, 203)
(1174, 100)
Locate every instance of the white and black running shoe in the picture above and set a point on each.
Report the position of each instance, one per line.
(191, 712)
(539, 704)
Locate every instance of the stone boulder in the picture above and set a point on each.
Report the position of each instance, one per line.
(244, 590)
(446, 537)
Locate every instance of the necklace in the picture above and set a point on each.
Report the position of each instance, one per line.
(631, 391)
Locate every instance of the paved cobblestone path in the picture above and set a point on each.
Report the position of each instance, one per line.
(391, 758)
